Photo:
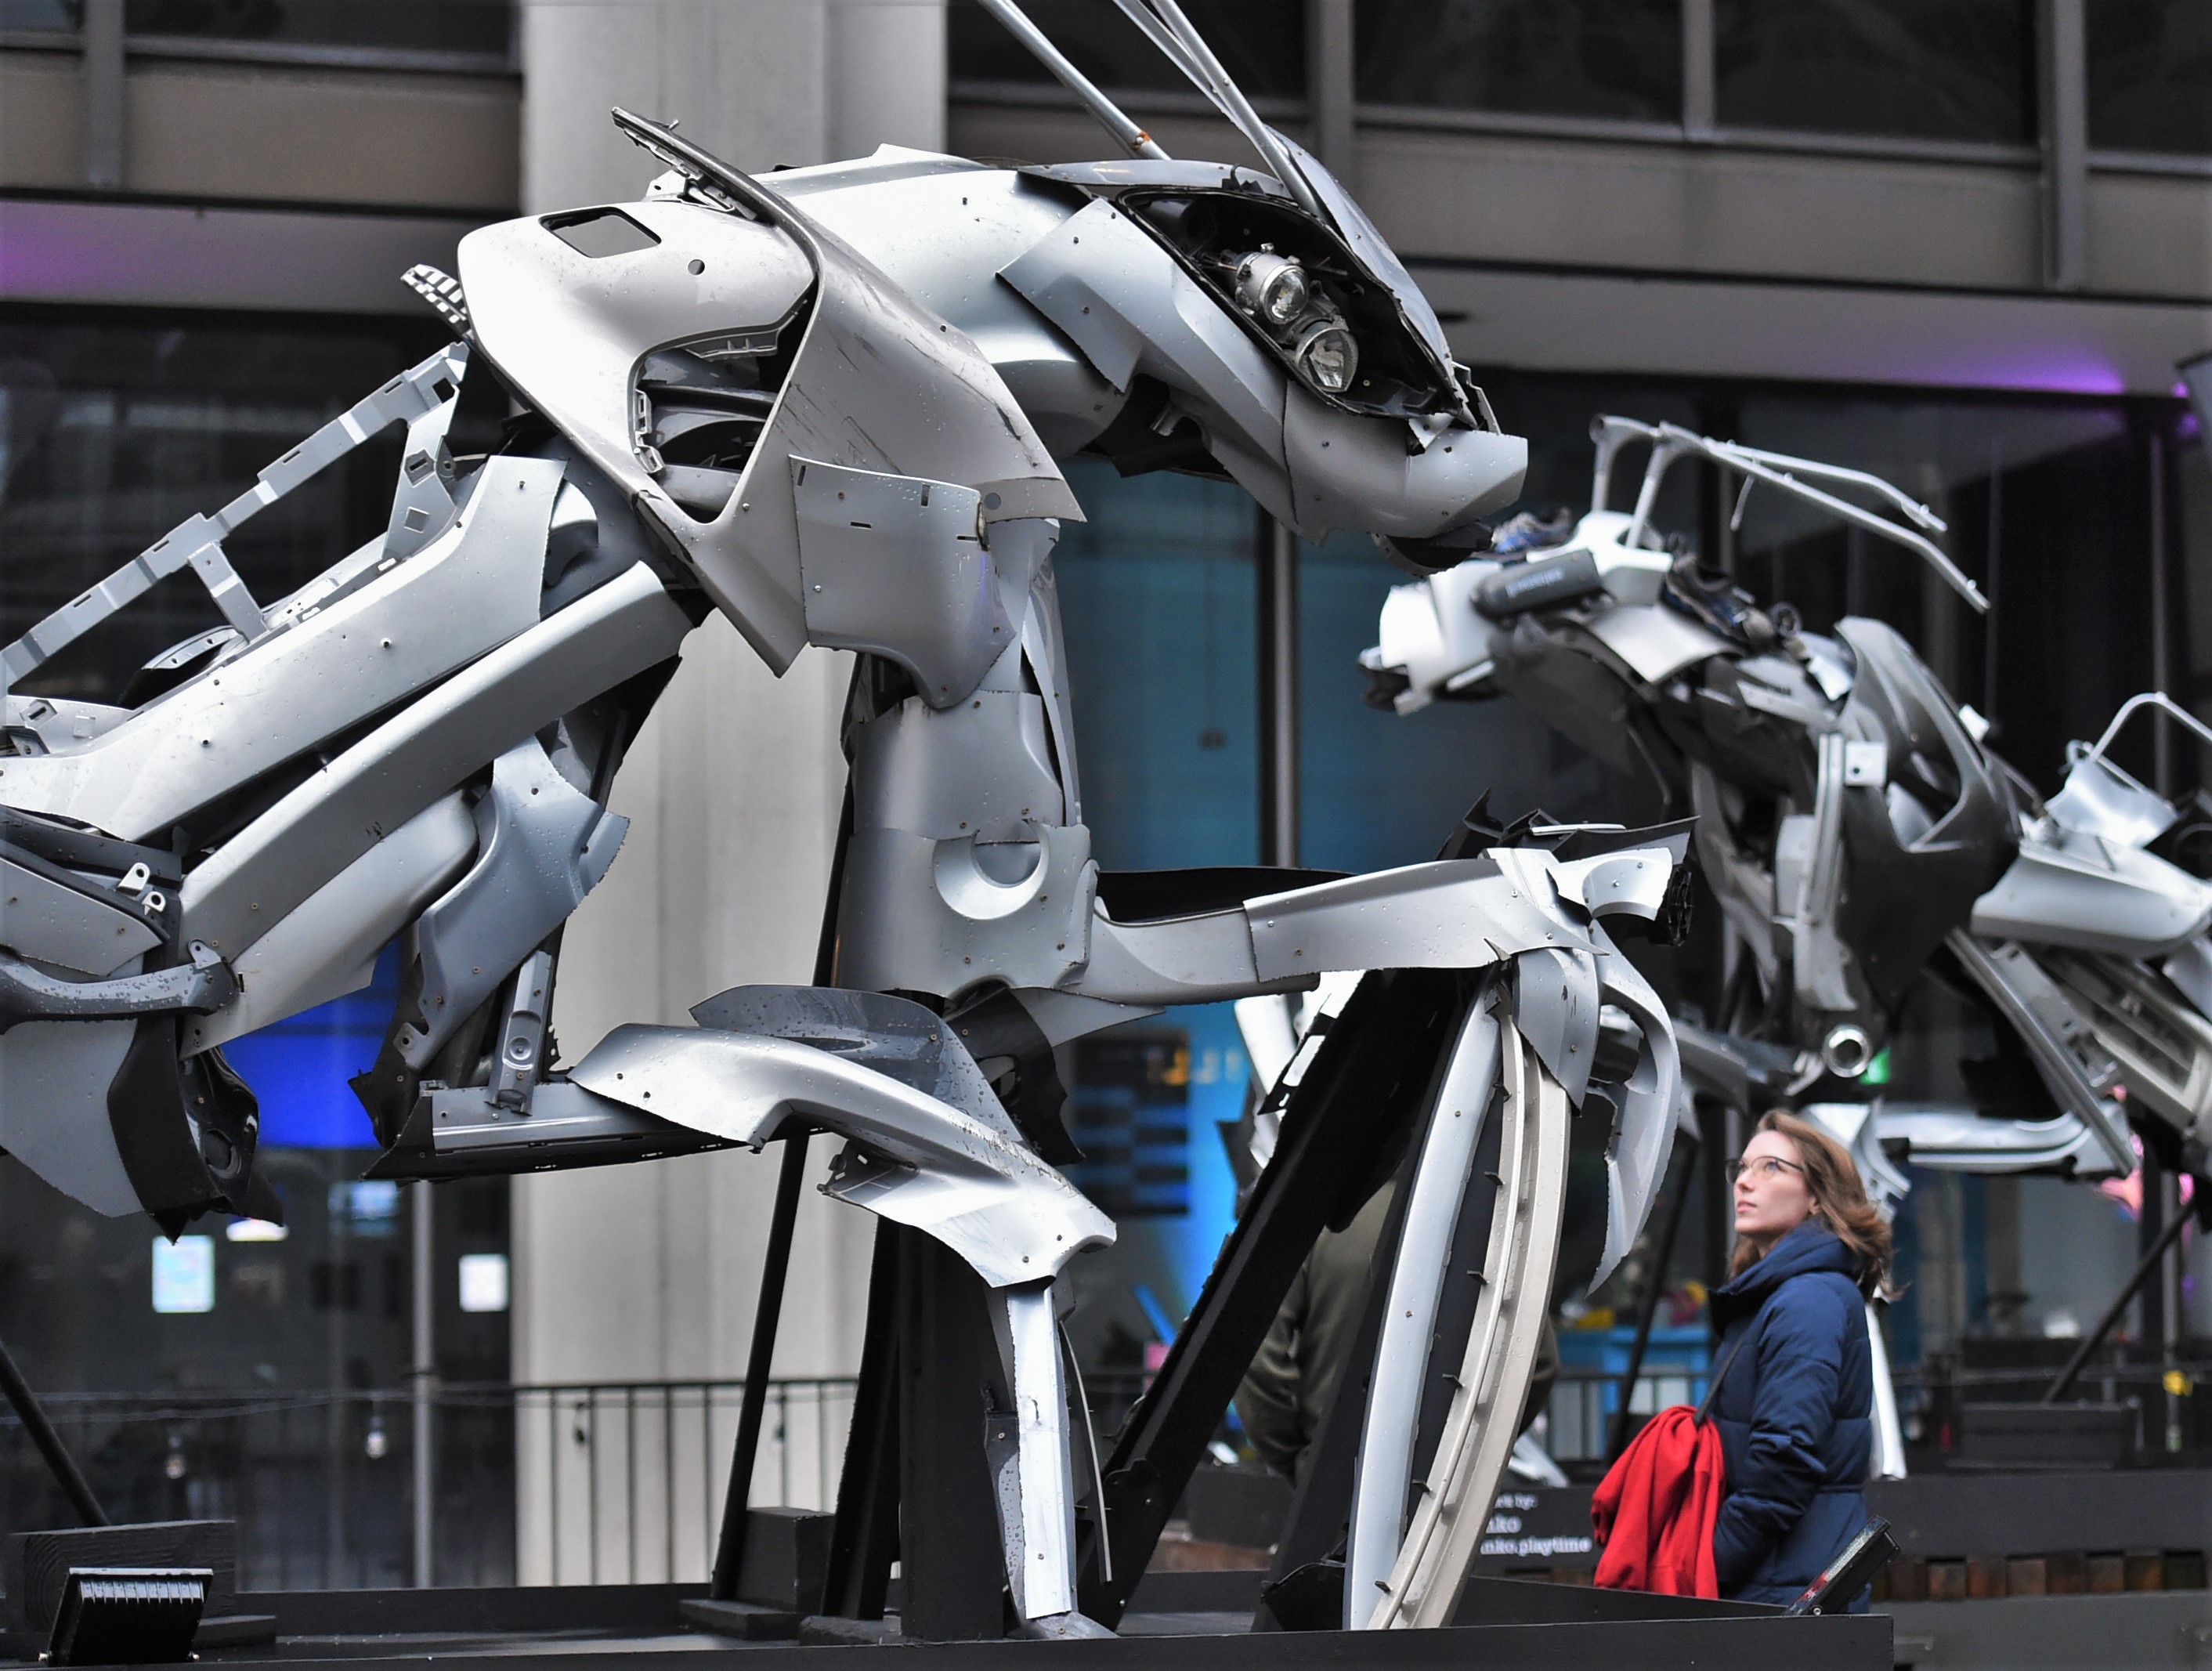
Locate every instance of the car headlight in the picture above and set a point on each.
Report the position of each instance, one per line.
(1273, 286)
(1328, 358)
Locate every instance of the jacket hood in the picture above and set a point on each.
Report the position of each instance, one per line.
(1811, 1247)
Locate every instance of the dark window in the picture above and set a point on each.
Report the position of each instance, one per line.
(1959, 69)
(442, 26)
(2150, 76)
(42, 13)
(1618, 59)
(1261, 43)
(116, 430)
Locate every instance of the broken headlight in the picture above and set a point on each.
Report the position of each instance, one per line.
(1273, 287)
(1300, 316)
(1290, 280)
(1327, 358)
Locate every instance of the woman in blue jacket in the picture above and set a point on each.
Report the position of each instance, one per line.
(1796, 1402)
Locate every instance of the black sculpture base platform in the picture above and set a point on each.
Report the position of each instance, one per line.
(1185, 1621)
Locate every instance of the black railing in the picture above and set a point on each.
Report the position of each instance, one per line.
(560, 1483)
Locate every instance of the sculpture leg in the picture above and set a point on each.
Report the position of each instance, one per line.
(929, 1148)
(1444, 1534)
(1030, 1466)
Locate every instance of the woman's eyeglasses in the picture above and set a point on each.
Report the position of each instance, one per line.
(1764, 1167)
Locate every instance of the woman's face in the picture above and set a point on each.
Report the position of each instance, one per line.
(1772, 1197)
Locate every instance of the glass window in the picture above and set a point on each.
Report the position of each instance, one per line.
(1959, 69)
(42, 13)
(111, 434)
(1618, 59)
(441, 25)
(2150, 76)
(1261, 43)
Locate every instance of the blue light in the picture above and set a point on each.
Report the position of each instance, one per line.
(299, 1067)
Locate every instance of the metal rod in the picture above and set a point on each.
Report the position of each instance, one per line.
(59, 1462)
(1647, 1303)
(423, 1374)
(2095, 1337)
(1278, 694)
(2161, 610)
(729, 1553)
(1111, 116)
(1215, 82)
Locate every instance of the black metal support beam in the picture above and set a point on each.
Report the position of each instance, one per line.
(776, 1267)
(730, 1550)
(1647, 1302)
(59, 1462)
(954, 1578)
(2095, 1337)
(1342, 1130)
(865, 1541)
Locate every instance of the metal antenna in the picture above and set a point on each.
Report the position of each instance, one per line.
(1111, 116)
(1165, 26)
(1776, 470)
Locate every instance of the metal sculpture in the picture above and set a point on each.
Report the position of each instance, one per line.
(1858, 833)
(828, 405)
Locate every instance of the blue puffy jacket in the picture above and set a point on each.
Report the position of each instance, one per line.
(1795, 1411)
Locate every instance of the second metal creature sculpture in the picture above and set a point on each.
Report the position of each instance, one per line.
(1857, 832)
(829, 408)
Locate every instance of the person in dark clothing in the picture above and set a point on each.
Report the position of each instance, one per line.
(1796, 1402)
(1286, 1392)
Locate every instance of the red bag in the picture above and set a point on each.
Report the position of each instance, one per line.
(1655, 1509)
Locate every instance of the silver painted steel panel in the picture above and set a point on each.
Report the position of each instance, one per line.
(1402, 1365)
(42, 919)
(1187, 960)
(2189, 969)
(1658, 643)
(1555, 1006)
(892, 1035)
(1429, 631)
(1130, 308)
(2059, 1037)
(1428, 1568)
(473, 590)
(1037, 1527)
(467, 1120)
(541, 845)
(941, 228)
(329, 945)
(1357, 473)
(1962, 1139)
(920, 1161)
(1453, 914)
(878, 383)
(423, 751)
(1650, 1102)
(2072, 888)
(895, 565)
(53, 1108)
(982, 768)
(937, 916)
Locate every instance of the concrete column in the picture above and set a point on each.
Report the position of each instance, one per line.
(644, 1273)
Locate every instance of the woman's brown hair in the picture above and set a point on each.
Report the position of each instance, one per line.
(1839, 1202)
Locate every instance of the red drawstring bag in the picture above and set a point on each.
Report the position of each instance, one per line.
(1654, 1511)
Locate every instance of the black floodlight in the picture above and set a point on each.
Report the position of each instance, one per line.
(129, 1615)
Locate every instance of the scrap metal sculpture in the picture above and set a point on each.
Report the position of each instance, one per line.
(1857, 831)
(828, 405)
